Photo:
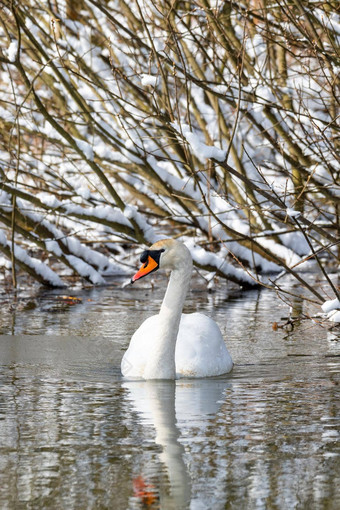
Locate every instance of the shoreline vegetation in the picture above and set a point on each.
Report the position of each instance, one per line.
(216, 123)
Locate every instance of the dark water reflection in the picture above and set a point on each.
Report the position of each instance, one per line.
(73, 434)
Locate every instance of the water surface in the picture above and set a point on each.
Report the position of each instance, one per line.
(75, 435)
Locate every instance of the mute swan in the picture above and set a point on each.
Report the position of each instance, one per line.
(171, 344)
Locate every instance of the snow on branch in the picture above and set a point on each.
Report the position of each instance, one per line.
(332, 309)
(40, 271)
(183, 126)
(199, 148)
(215, 262)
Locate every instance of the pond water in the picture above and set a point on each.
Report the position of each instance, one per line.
(75, 435)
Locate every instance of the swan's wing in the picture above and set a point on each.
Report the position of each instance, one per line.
(200, 348)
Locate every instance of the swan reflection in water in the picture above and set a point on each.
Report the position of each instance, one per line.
(174, 409)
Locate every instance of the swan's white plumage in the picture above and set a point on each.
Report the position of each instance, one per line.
(171, 344)
(200, 348)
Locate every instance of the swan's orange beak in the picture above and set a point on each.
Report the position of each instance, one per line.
(149, 266)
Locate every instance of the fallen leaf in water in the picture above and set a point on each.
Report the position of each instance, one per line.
(144, 491)
(71, 300)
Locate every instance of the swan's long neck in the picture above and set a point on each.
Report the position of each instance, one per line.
(161, 364)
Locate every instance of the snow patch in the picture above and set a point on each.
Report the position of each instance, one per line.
(292, 213)
(49, 200)
(330, 305)
(39, 267)
(85, 270)
(132, 213)
(3, 238)
(199, 148)
(12, 51)
(205, 258)
(334, 316)
(332, 309)
(148, 79)
(53, 247)
(86, 148)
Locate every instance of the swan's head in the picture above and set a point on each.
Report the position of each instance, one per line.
(165, 254)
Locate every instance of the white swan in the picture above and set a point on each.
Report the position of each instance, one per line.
(171, 344)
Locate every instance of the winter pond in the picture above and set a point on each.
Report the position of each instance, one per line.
(75, 435)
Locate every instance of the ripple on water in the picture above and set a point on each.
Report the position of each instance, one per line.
(73, 434)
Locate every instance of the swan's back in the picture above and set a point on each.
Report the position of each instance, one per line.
(200, 348)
